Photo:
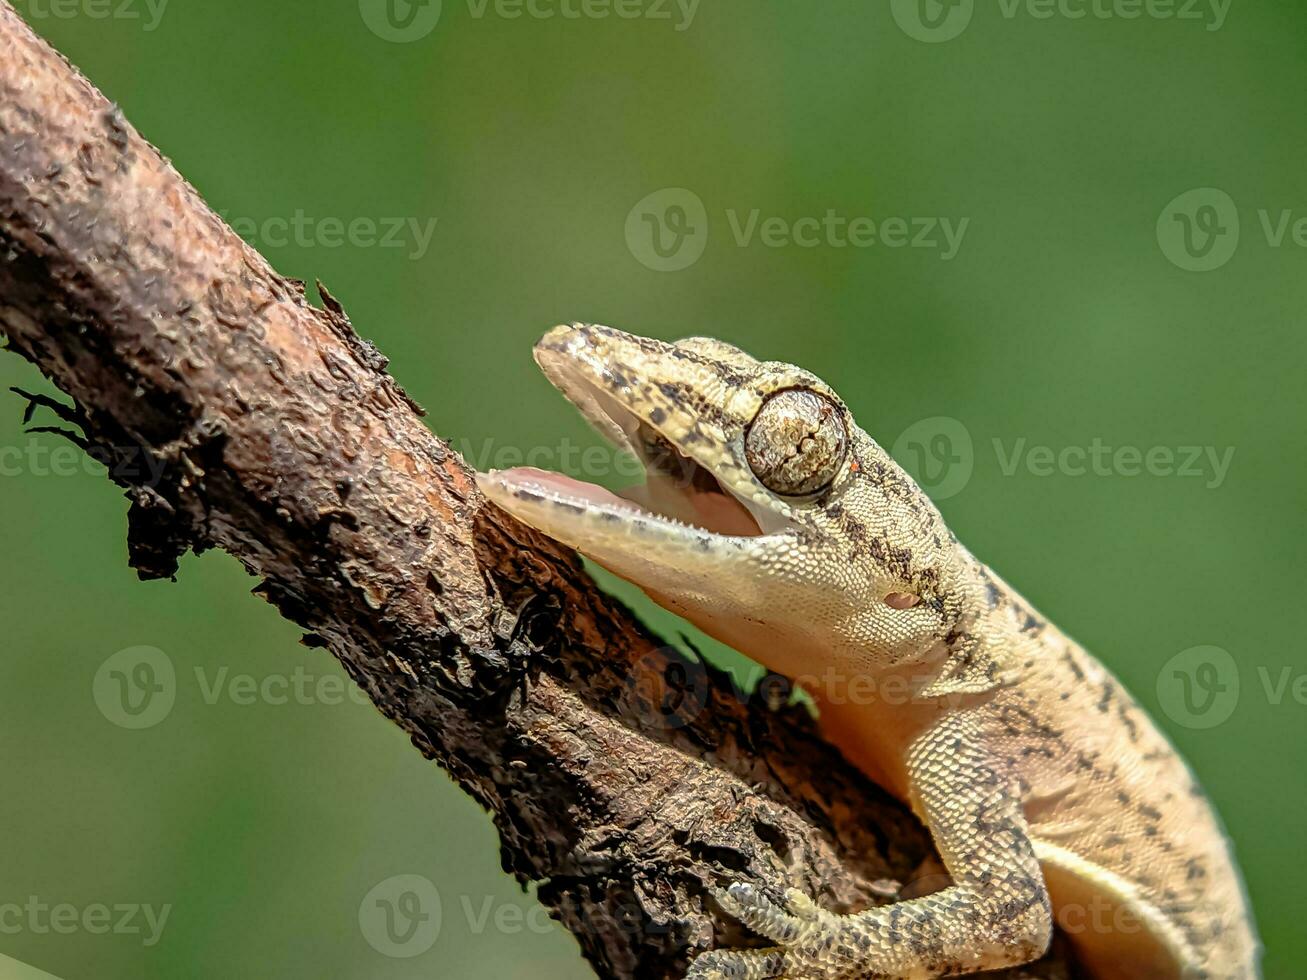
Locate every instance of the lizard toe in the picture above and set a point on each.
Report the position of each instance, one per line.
(801, 906)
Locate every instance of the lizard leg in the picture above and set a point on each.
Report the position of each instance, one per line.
(995, 914)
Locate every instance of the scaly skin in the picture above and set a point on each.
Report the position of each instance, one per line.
(775, 524)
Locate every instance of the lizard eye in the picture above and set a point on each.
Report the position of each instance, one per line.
(796, 442)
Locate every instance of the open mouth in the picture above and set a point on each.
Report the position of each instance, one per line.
(680, 497)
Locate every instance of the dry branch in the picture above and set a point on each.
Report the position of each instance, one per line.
(622, 775)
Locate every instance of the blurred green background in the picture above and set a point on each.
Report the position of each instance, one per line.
(1081, 301)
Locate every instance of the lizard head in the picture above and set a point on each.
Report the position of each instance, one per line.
(768, 518)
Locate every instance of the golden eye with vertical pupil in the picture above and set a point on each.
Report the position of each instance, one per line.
(797, 442)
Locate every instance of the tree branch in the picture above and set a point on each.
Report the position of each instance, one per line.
(623, 775)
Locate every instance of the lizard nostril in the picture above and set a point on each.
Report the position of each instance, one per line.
(901, 600)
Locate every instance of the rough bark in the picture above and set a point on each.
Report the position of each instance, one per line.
(622, 774)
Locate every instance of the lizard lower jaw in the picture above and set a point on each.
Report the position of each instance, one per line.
(585, 516)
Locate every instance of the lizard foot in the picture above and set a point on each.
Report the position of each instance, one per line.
(802, 930)
(798, 919)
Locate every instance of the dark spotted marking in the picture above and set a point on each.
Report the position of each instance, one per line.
(1032, 624)
(615, 378)
(1071, 662)
(1132, 730)
(1105, 699)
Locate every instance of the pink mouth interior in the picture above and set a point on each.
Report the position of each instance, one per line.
(565, 486)
(712, 510)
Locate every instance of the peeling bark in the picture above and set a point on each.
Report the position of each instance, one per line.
(623, 775)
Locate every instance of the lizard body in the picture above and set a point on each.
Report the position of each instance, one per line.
(774, 523)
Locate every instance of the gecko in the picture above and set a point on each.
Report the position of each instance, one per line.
(771, 521)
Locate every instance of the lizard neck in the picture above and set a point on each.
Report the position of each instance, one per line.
(875, 716)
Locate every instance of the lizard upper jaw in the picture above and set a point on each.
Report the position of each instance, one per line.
(681, 504)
